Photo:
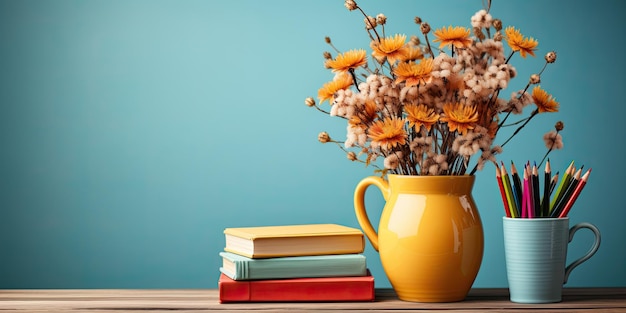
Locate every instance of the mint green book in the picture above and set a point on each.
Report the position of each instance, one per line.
(239, 267)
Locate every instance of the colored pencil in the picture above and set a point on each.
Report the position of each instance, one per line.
(567, 194)
(579, 187)
(562, 186)
(536, 194)
(517, 186)
(530, 197)
(525, 195)
(546, 190)
(502, 192)
(508, 190)
(553, 182)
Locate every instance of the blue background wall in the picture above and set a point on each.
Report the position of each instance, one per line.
(134, 132)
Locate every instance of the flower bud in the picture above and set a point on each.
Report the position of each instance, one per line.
(323, 137)
(418, 20)
(327, 39)
(381, 19)
(350, 5)
(327, 55)
(559, 126)
(479, 33)
(551, 57)
(497, 36)
(309, 101)
(351, 156)
(425, 28)
(535, 79)
(497, 24)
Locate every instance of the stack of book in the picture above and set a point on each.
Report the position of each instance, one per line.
(311, 263)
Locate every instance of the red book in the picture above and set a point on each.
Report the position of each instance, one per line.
(326, 289)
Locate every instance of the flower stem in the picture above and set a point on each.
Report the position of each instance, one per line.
(520, 128)
(368, 22)
(549, 150)
(354, 81)
(545, 156)
(432, 53)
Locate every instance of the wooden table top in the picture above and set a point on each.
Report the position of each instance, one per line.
(202, 300)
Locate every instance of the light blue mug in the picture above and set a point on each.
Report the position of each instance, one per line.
(536, 251)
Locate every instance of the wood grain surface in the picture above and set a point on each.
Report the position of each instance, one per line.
(204, 300)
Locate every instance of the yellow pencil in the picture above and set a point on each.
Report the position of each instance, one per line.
(508, 191)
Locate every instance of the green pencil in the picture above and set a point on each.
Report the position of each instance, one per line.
(562, 185)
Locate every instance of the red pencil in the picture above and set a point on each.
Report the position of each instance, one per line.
(502, 192)
(579, 187)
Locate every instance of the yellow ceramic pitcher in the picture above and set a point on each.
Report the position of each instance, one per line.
(430, 236)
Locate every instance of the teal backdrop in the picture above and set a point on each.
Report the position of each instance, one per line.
(133, 132)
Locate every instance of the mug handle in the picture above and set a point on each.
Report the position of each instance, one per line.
(359, 205)
(589, 253)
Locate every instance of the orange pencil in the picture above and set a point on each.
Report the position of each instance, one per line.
(553, 182)
(579, 187)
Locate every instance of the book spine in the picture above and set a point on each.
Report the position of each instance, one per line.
(295, 267)
(298, 290)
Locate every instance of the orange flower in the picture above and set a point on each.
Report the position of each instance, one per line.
(412, 54)
(421, 115)
(327, 92)
(387, 133)
(459, 117)
(458, 37)
(392, 48)
(544, 101)
(347, 60)
(517, 42)
(364, 116)
(414, 73)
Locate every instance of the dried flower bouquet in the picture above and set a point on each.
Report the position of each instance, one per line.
(426, 110)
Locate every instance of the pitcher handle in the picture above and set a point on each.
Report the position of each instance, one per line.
(359, 205)
(589, 253)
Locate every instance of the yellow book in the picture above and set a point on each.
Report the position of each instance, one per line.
(293, 240)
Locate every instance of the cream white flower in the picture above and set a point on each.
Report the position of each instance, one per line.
(481, 19)
(392, 161)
